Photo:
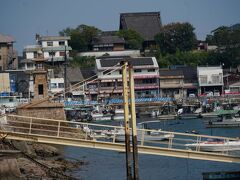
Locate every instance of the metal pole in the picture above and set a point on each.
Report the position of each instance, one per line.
(65, 73)
(126, 118)
(134, 129)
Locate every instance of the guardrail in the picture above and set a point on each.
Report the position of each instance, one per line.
(151, 139)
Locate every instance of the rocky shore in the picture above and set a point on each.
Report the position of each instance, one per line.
(41, 161)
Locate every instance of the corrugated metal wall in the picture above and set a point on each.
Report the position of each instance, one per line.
(4, 82)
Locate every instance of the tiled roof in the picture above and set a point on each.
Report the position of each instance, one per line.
(108, 62)
(147, 24)
(87, 72)
(108, 40)
(189, 72)
(6, 39)
(170, 72)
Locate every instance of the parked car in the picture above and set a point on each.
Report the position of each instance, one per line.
(208, 93)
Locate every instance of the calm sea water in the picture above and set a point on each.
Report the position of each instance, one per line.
(110, 165)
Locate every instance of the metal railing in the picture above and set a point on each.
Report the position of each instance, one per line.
(106, 133)
(112, 135)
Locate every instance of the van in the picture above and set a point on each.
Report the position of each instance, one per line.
(192, 95)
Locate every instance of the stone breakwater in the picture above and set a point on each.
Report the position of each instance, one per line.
(40, 161)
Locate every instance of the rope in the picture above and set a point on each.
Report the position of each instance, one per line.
(81, 82)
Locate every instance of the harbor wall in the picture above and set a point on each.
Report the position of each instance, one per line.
(47, 110)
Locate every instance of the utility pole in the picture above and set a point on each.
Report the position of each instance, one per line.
(65, 72)
(126, 118)
(133, 123)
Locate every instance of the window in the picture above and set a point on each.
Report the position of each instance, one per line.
(61, 43)
(49, 43)
(120, 71)
(0, 68)
(149, 81)
(107, 72)
(62, 53)
(0, 57)
(53, 85)
(215, 79)
(151, 70)
(35, 54)
(203, 79)
(40, 89)
(51, 54)
(60, 85)
(137, 70)
(39, 66)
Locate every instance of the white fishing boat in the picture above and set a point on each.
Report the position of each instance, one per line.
(215, 145)
(101, 117)
(154, 135)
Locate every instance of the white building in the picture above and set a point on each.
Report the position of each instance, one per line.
(146, 77)
(210, 79)
(52, 47)
(56, 85)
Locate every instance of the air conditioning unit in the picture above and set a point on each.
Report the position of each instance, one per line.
(209, 82)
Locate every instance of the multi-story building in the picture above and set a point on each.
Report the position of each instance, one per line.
(8, 55)
(52, 47)
(210, 80)
(109, 82)
(171, 83)
(56, 85)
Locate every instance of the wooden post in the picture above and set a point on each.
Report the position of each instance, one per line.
(126, 118)
(133, 123)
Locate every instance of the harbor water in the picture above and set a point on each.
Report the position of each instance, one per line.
(110, 165)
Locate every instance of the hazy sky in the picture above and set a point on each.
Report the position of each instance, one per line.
(24, 18)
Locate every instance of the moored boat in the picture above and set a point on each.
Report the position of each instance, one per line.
(215, 145)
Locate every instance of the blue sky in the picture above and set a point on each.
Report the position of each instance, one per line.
(24, 18)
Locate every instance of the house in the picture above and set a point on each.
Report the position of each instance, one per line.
(210, 80)
(108, 43)
(15, 81)
(190, 80)
(56, 85)
(8, 55)
(109, 82)
(52, 47)
(171, 83)
(147, 24)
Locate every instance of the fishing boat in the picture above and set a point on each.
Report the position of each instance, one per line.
(215, 145)
(226, 119)
(189, 112)
(101, 117)
(156, 135)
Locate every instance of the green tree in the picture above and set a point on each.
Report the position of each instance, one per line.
(81, 37)
(133, 39)
(228, 41)
(176, 36)
(83, 61)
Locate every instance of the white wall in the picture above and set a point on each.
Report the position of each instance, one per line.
(55, 43)
(209, 73)
(57, 81)
(29, 55)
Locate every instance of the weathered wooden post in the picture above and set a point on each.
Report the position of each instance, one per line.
(133, 123)
(126, 118)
